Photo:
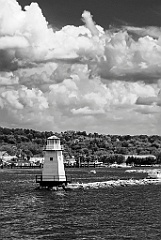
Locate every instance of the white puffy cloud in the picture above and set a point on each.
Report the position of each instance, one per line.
(77, 77)
(155, 100)
(153, 32)
(23, 97)
(13, 42)
(10, 98)
(8, 78)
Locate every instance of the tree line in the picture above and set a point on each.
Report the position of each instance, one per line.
(80, 144)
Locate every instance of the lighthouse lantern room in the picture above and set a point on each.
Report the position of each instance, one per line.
(53, 172)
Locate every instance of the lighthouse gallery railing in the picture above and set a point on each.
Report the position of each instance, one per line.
(40, 178)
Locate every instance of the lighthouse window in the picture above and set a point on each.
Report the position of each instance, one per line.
(51, 158)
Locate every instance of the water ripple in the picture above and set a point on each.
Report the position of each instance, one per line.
(131, 212)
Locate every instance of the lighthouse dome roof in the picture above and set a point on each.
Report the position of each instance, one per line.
(53, 137)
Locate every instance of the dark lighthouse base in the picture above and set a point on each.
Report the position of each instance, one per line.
(53, 183)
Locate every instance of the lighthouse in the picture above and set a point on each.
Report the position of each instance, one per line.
(53, 172)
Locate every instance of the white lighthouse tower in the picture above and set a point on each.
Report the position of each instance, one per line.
(53, 173)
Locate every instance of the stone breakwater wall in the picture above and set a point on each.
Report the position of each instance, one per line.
(114, 183)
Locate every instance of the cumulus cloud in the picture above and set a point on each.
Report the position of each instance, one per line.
(156, 100)
(153, 32)
(24, 97)
(8, 78)
(74, 75)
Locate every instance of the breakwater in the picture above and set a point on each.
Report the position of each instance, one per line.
(113, 183)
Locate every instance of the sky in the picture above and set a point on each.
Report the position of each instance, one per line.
(81, 65)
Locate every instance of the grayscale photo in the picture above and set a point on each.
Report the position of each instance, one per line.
(80, 119)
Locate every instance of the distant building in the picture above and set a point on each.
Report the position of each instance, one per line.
(70, 161)
(5, 157)
(92, 164)
(22, 163)
(36, 160)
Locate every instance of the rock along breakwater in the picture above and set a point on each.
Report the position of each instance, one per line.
(113, 183)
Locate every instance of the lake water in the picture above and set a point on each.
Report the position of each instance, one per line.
(131, 212)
